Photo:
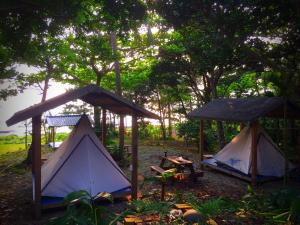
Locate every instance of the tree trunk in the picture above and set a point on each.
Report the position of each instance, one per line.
(220, 128)
(221, 135)
(113, 40)
(97, 118)
(150, 38)
(97, 113)
(161, 118)
(49, 70)
(170, 121)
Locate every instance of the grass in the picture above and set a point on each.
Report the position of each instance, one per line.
(7, 148)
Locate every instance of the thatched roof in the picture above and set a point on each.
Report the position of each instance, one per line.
(245, 109)
(91, 94)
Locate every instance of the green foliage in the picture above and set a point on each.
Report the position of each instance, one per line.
(149, 131)
(167, 175)
(13, 139)
(189, 131)
(61, 136)
(148, 206)
(281, 206)
(82, 210)
(212, 207)
(118, 155)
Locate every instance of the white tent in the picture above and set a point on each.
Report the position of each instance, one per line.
(81, 163)
(237, 154)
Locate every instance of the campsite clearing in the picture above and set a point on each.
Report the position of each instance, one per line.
(15, 187)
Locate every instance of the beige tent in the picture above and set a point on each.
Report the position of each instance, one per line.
(82, 163)
(237, 155)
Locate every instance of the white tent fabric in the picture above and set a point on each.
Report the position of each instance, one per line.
(237, 154)
(81, 163)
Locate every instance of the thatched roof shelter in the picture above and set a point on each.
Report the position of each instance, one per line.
(246, 109)
(95, 96)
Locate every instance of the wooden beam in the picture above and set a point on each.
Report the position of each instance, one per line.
(134, 162)
(104, 128)
(201, 141)
(36, 164)
(254, 142)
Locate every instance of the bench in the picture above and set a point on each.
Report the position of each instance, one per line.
(157, 169)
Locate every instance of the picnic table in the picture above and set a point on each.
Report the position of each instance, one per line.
(181, 164)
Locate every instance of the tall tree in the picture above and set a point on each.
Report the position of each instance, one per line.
(215, 45)
(20, 22)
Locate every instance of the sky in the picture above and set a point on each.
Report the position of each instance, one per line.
(30, 96)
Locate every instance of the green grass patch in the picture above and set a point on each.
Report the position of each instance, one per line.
(7, 148)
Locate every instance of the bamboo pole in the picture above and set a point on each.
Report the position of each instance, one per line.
(134, 143)
(254, 134)
(36, 164)
(104, 128)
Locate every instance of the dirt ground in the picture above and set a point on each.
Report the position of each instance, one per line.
(15, 186)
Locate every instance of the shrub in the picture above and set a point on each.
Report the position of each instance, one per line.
(149, 131)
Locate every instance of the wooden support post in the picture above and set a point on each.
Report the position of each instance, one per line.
(134, 163)
(201, 141)
(53, 134)
(36, 164)
(121, 133)
(104, 129)
(299, 148)
(254, 134)
(242, 125)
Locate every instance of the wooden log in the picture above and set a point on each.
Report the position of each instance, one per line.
(36, 164)
(104, 128)
(134, 144)
(254, 134)
(201, 141)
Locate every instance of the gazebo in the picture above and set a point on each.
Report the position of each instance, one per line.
(95, 96)
(245, 110)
